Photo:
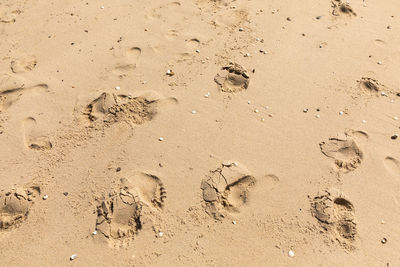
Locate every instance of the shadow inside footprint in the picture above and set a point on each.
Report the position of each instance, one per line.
(342, 8)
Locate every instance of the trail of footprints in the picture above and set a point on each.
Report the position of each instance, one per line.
(135, 203)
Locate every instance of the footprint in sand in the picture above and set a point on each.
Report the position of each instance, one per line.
(126, 62)
(392, 165)
(346, 153)
(108, 108)
(131, 208)
(23, 64)
(33, 138)
(336, 215)
(12, 87)
(15, 205)
(226, 189)
(340, 8)
(233, 78)
(9, 12)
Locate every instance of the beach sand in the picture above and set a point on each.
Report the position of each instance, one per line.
(199, 133)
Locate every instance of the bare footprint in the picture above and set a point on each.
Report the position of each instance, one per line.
(346, 153)
(226, 189)
(15, 205)
(342, 8)
(111, 108)
(233, 78)
(12, 87)
(127, 60)
(392, 165)
(124, 213)
(33, 138)
(336, 215)
(23, 64)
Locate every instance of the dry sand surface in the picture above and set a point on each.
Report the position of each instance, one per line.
(199, 133)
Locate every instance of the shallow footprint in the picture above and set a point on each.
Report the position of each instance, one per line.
(392, 165)
(342, 8)
(15, 205)
(126, 62)
(226, 189)
(23, 64)
(124, 213)
(33, 138)
(336, 215)
(346, 153)
(233, 78)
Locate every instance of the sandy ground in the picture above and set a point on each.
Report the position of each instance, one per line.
(199, 133)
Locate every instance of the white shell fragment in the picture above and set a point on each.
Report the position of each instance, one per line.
(194, 111)
(73, 257)
(117, 88)
(197, 51)
(45, 197)
(207, 95)
(161, 139)
(234, 222)
(94, 233)
(291, 253)
(160, 234)
(341, 113)
(256, 111)
(247, 55)
(317, 116)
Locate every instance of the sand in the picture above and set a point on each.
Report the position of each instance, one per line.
(199, 133)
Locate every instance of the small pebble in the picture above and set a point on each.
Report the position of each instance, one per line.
(382, 222)
(383, 94)
(291, 253)
(45, 197)
(384, 240)
(102, 7)
(94, 233)
(170, 73)
(249, 102)
(341, 113)
(241, 29)
(207, 95)
(379, 62)
(305, 110)
(161, 234)
(256, 111)
(262, 119)
(394, 137)
(270, 115)
(197, 51)
(161, 139)
(118, 169)
(247, 55)
(65, 193)
(317, 116)
(289, 19)
(258, 39)
(364, 121)
(194, 111)
(396, 118)
(117, 88)
(73, 257)
(234, 222)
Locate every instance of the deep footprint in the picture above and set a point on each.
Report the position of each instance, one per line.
(15, 205)
(346, 153)
(233, 78)
(226, 189)
(123, 214)
(111, 108)
(336, 215)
